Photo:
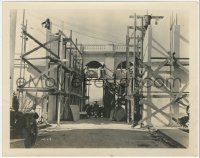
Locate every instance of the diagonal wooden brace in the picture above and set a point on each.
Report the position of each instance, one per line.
(156, 76)
(153, 39)
(154, 113)
(34, 67)
(36, 48)
(164, 107)
(153, 106)
(156, 71)
(39, 43)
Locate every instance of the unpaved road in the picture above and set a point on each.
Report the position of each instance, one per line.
(93, 134)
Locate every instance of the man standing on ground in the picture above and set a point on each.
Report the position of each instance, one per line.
(96, 109)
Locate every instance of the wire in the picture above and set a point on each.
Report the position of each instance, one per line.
(72, 25)
(36, 29)
(88, 30)
(80, 33)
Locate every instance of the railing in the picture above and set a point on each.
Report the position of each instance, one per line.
(106, 48)
(94, 47)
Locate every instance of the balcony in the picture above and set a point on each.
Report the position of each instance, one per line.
(106, 48)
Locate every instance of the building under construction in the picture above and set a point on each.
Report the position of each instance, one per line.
(143, 82)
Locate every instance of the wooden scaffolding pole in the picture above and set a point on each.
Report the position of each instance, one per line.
(13, 18)
(176, 35)
(60, 76)
(20, 96)
(149, 99)
(134, 55)
(127, 74)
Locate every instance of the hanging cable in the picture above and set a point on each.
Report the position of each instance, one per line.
(38, 30)
(78, 32)
(72, 25)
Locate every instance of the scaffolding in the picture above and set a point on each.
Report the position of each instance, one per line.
(147, 69)
(61, 75)
(64, 78)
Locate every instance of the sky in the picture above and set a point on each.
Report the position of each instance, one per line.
(98, 24)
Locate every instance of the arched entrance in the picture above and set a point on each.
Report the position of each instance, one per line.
(121, 69)
(94, 86)
(93, 65)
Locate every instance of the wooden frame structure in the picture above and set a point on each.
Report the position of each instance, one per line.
(63, 69)
(146, 70)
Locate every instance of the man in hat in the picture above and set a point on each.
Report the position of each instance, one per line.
(15, 102)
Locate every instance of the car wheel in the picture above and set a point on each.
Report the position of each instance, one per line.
(30, 135)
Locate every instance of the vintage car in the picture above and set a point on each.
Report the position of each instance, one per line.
(23, 125)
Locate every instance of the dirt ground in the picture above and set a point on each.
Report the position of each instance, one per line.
(93, 133)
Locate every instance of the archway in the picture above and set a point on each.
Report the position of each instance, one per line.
(94, 86)
(121, 69)
(93, 65)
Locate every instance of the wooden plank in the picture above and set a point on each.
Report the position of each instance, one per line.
(33, 89)
(165, 92)
(184, 63)
(75, 112)
(159, 96)
(38, 58)
(178, 58)
(176, 135)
